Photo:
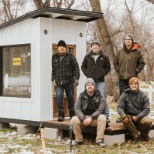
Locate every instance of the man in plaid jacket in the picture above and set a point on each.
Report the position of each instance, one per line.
(65, 74)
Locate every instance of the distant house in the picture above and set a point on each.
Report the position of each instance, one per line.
(26, 47)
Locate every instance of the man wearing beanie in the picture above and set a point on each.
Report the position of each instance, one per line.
(128, 62)
(65, 74)
(96, 65)
(89, 109)
(134, 107)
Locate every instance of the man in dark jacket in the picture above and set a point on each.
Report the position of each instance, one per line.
(133, 108)
(89, 109)
(96, 65)
(65, 73)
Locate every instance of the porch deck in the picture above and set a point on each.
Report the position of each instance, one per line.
(113, 129)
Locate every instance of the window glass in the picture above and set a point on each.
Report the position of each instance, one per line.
(16, 71)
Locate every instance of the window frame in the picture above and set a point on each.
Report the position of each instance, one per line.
(1, 71)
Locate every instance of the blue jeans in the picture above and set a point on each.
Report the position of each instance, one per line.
(102, 88)
(122, 85)
(69, 90)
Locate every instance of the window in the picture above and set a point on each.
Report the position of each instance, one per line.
(16, 71)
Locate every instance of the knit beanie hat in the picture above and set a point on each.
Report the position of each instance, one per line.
(131, 36)
(62, 43)
(95, 41)
(91, 81)
(134, 79)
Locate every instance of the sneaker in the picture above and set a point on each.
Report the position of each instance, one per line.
(74, 143)
(101, 144)
(145, 137)
(119, 120)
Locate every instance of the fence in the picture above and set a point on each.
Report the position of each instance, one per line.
(148, 88)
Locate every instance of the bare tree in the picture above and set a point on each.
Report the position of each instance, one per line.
(39, 3)
(8, 14)
(151, 1)
(11, 9)
(108, 46)
(142, 35)
(56, 3)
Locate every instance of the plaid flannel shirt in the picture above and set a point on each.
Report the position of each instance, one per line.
(65, 70)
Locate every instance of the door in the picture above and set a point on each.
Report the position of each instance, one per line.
(71, 49)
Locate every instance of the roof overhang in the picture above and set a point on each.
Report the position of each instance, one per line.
(56, 13)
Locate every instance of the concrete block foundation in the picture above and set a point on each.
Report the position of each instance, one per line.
(24, 129)
(151, 133)
(51, 133)
(4, 125)
(113, 139)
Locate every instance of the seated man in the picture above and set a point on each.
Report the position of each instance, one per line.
(134, 107)
(88, 110)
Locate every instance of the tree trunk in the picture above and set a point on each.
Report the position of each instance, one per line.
(39, 4)
(151, 1)
(108, 47)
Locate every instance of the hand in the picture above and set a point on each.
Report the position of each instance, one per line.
(87, 121)
(76, 82)
(125, 118)
(54, 82)
(134, 118)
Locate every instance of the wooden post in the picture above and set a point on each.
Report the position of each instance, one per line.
(42, 139)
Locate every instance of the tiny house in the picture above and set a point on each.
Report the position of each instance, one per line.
(26, 47)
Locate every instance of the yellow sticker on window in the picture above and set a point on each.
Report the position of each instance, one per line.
(16, 61)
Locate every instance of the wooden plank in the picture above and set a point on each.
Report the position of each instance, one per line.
(113, 129)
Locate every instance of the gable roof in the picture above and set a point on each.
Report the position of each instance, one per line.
(60, 13)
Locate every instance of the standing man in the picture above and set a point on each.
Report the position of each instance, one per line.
(128, 62)
(96, 65)
(89, 109)
(65, 74)
(133, 107)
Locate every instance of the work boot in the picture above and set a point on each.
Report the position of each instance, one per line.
(72, 113)
(137, 139)
(145, 137)
(60, 115)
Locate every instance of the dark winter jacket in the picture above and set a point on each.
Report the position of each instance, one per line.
(134, 103)
(96, 70)
(64, 70)
(129, 63)
(82, 103)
